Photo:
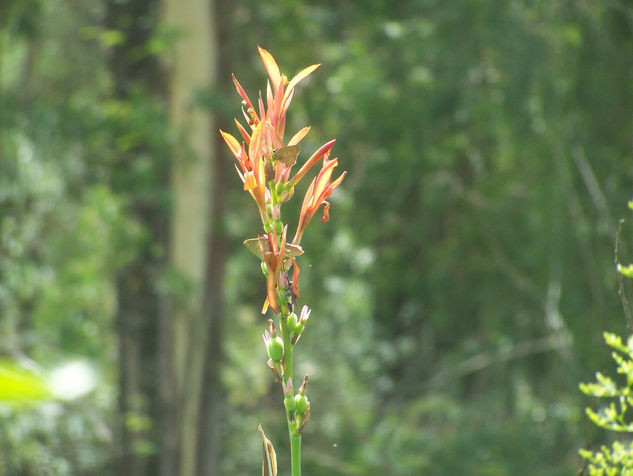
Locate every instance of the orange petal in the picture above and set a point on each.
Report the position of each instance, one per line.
(298, 78)
(249, 181)
(254, 149)
(279, 93)
(232, 142)
(286, 103)
(271, 66)
(324, 149)
(295, 278)
(262, 110)
(245, 135)
(299, 136)
(338, 181)
(269, 97)
(241, 92)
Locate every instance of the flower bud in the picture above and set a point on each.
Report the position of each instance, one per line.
(289, 403)
(301, 404)
(264, 268)
(267, 227)
(275, 348)
(279, 227)
(286, 194)
(291, 322)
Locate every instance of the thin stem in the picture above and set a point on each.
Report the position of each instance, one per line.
(285, 335)
(293, 433)
(295, 452)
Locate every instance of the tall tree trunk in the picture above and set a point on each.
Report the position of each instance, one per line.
(212, 398)
(138, 298)
(192, 325)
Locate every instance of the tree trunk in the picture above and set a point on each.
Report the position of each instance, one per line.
(139, 302)
(192, 325)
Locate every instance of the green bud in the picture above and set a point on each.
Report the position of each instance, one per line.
(264, 269)
(301, 403)
(275, 348)
(267, 227)
(291, 322)
(279, 227)
(299, 328)
(289, 403)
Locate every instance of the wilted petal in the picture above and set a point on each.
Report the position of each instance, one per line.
(326, 211)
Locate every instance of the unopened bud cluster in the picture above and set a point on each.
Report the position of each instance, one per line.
(297, 405)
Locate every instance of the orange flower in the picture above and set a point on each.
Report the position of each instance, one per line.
(320, 188)
(267, 124)
(264, 164)
(252, 169)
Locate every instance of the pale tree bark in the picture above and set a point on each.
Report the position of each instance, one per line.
(191, 66)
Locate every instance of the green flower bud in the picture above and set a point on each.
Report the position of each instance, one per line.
(264, 268)
(301, 404)
(289, 403)
(275, 348)
(267, 227)
(299, 328)
(291, 322)
(279, 227)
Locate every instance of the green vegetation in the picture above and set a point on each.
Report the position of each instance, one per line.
(459, 291)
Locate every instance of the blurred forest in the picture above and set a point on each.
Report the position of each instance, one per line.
(459, 290)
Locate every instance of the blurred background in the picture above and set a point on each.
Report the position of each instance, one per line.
(459, 290)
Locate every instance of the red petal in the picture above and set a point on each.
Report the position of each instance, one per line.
(245, 135)
(326, 211)
(241, 92)
(325, 148)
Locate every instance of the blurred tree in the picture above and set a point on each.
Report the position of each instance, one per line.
(192, 330)
(137, 80)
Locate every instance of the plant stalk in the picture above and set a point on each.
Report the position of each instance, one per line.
(295, 452)
(293, 433)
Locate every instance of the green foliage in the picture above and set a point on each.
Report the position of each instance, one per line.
(616, 415)
(618, 458)
(19, 386)
(465, 274)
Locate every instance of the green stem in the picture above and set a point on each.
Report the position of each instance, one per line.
(295, 452)
(295, 436)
